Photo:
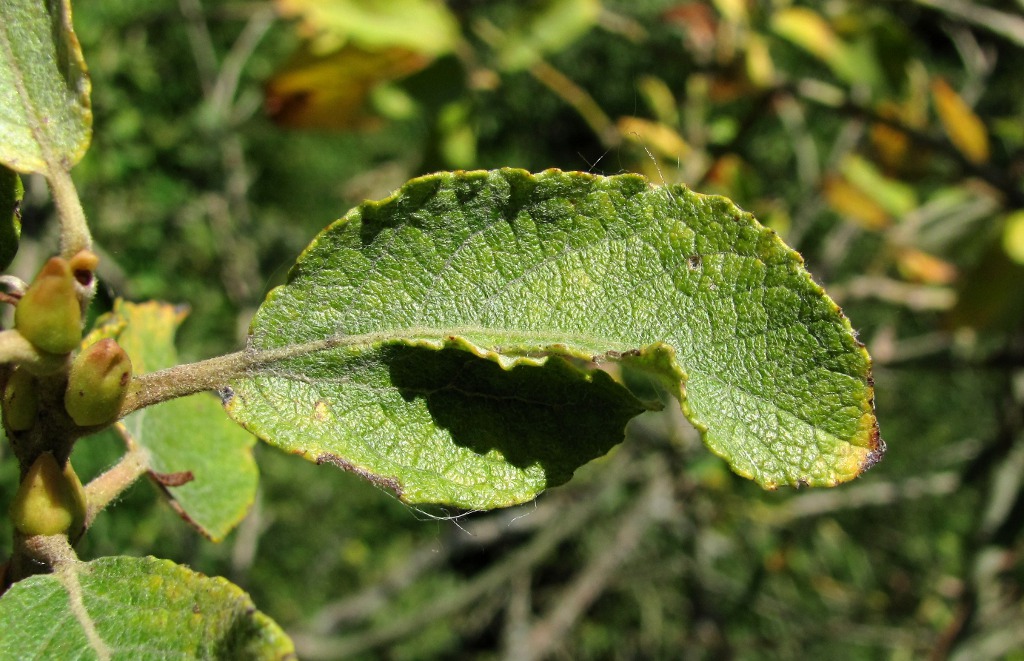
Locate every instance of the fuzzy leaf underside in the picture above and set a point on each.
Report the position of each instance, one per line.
(446, 342)
(135, 608)
(45, 112)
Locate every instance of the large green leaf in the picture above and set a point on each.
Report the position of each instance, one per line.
(445, 342)
(45, 116)
(189, 435)
(135, 608)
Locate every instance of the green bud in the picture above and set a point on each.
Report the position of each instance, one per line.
(98, 383)
(50, 501)
(48, 314)
(21, 400)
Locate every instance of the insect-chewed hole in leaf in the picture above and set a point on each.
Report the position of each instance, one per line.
(555, 416)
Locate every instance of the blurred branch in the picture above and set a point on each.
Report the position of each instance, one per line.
(589, 583)
(362, 605)
(563, 87)
(1007, 25)
(203, 51)
(907, 294)
(224, 89)
(580, 100)
(571, 520)
(877, 494)
(230, 215)
(516, 634)
(1003, 638)
(827, 95)
(808, 164)
(622, 25)
(990, 553)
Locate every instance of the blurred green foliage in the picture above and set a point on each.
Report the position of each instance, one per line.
(825, 121)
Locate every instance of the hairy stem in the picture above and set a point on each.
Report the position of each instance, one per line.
(215, 373)
(74, 230)
(37, 554)
(181, 380)
(101, 491)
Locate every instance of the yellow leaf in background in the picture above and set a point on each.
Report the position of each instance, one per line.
(698, 24)
(803, 27)
(891, 145)
(659, 98)
(423, 26)
(661, 139)
(965, 129)
(734, 11)
(807, 29)
(851, 202)
(896, 197)
(1013, 236)
(919, 266)
(725, 174)
(760, 68)
(330, 92)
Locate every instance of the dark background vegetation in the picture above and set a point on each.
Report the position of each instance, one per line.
(830, 122)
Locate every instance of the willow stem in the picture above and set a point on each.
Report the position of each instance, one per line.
(104, 489)
(74, 230)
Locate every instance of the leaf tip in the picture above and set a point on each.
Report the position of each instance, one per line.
(876, 449)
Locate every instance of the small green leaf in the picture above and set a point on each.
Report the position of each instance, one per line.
(11, 191)
(45, 114)
(189, 434)
(135, 608)
(446, 342)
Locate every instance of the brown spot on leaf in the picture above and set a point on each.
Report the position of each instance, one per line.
(878, 448)
(173, 479)
(165, 480)
(876, 445)
(389, 483)
(320, 410)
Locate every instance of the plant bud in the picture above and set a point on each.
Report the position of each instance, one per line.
(82, 266)
(48, 315)
(98, 383)
(21, 400)
(49, 501)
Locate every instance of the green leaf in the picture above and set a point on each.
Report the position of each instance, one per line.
(45, 115)
(11, 191)
(189, 434)
(135, 608)
(446, 341)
